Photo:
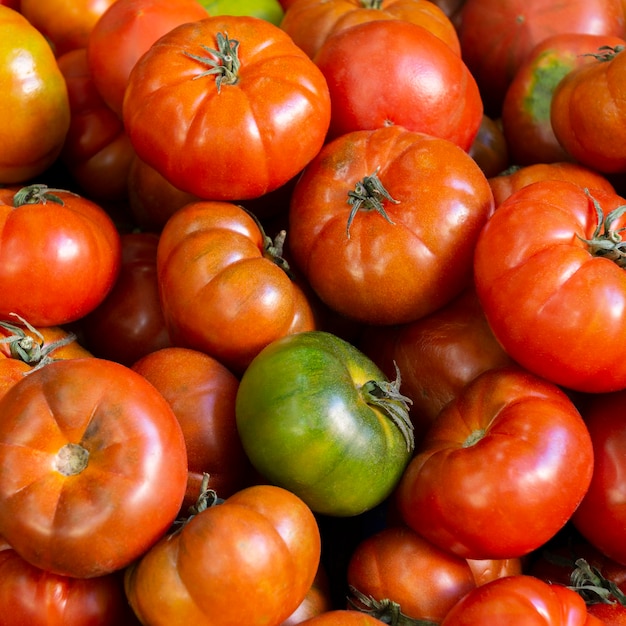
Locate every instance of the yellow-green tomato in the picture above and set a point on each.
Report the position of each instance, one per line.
(34, 107)
(270, 10)
(317, 417)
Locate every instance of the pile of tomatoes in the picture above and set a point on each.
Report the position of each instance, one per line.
(313, 312)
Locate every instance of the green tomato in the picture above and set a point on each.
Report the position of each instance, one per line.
(270, 10)
(319, 418)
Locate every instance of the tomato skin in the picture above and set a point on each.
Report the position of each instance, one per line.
(34, 98)
(96, 516)
(249, 560)
(219, 292)
(317, 600)
(441, 99)
(489, 148)
(303, 391)
(525, 288)
(379, 272)
(546, 457)
(270, 10)
(341, 617)
(181, 124)
(68, 254)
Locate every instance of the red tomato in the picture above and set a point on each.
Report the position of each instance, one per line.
(501, 470)
(342, 617)
(489, 148)
(497, 37)
(222, 290)
(383, 223)
(97, 152)
(124, 32)
(129, 323)
(64, 247)
(316, 601)
(431, 90)
(250, 560)
(554, 299)
(233, 101)
(201, 392)
(93, 467)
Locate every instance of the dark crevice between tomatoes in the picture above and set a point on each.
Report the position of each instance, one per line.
(225, 65)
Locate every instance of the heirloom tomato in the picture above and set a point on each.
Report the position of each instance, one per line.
(270, 10)
(383, 223)
(489, 148)
(549, 275)
(221, 285)
(588, 111)
(93, 467)
(35, 103)
(317, 417)
(60, 255)
(317, 600)
(249, 560)
(226, 120)
(510, 454)
(342, 617)
(430, 88)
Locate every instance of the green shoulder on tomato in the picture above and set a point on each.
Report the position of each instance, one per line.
(270, 10)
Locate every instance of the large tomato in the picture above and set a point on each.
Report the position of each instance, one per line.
(35, 105)
(383, 223)
(270, 10)
(549, 275)
(318, 417)
(93, 467)
(430, 89)
(225, 120)
(222, 290)
(60, 254)
(250, 560)
(501, 470)
(588, 111)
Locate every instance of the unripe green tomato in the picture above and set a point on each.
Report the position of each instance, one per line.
(269, 10)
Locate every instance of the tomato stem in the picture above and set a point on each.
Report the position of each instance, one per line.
(226, 63)
(38, 194)
(593, 587)
(605, 53)
(372, 4)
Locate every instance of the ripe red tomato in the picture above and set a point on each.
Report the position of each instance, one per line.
(383, 223)
(489, 148)
(554, 298)
(93, 467)
(431, 90)
(225, 121)
(250, 560)
(501, 470)
(60, 254)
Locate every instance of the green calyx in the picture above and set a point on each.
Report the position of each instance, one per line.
(224, 63)
(37, 194)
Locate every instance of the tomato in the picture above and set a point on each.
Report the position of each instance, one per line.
(437, 355)
(93, 467)
(489, 148)
(232, 82)
(270, 10)
(317, 417)
(124, 32)
(201, 392)
(249, 560)
(60, 254)
(497, 37)
(30, 595)
(517, 441)
(222, 290)
(316, 601)
(311, 22)
(129, 323)
(341, 617)
(35, 100)
(554, 298)
(526, 108)
(397, 565)
(587, 112)
(65, 23)
(383, 223)
(530, 600)
(97, 152)
(440, 98)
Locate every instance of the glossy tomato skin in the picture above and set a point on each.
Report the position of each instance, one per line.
(530, 289)
(505, 423)
(430, 88)
(220, 292)
(65, 247)
(489, 148)
(250, 560)
(306, 425)
(342, 617)
(34, 99)
(245, 129)
(317, 600)
(393, 271)
(81, 466)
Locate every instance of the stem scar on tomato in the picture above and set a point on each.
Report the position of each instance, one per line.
(71, 459)
(368, 194)
(226, 64)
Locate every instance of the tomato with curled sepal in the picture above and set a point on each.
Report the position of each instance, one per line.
(317, 417)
